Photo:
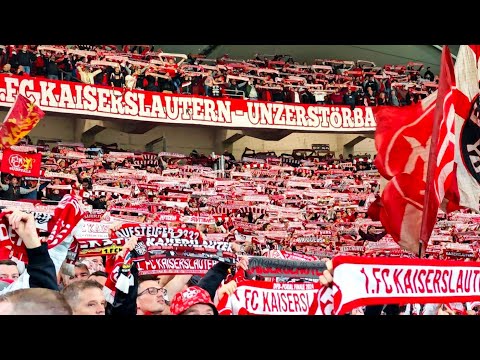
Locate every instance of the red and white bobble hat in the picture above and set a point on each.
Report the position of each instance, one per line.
(190, 296)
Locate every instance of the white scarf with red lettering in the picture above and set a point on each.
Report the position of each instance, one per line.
(254, 297)
(360, 281)
(363, 281)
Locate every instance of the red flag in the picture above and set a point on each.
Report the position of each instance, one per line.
(23, 116)
(423, 176)
(402, 140)
(20, 163)
(441, 155)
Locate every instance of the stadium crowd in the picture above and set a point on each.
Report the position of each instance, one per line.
(106, 231)
(263, 77)
(310, 209)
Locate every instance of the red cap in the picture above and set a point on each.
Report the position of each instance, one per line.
(191, 296)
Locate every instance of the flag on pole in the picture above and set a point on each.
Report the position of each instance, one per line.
(23, 116)
(429, 153)
(402, 140)
(440, 170)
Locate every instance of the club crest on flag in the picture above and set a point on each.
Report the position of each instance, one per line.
(470, 140)
(19, 163)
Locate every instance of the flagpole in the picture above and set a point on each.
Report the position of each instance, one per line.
(428, 206)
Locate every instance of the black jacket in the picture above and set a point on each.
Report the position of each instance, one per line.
(41, 268)
(125, 304)
(429, 75)
(213, 278)
(25, 58)
(51, 67)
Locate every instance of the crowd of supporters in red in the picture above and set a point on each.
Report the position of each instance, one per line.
(263, 77)
(312, 207)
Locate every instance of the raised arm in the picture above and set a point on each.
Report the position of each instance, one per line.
(40, 268)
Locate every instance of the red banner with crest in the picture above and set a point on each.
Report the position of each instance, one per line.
(20, 163)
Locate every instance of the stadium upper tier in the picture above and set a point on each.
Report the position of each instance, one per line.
(263, 77)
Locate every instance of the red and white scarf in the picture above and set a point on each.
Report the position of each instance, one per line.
(254, 297)
(66, 216)
(361, 281)
(110, 287)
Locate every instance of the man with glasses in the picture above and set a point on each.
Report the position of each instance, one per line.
(151, 298)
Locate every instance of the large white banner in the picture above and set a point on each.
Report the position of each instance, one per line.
(103, 101)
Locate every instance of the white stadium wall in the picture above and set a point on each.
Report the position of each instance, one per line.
(366, 146)
(51, 127)
(177, 139)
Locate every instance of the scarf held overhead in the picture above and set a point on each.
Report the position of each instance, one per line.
(360, 281)
(66, 216)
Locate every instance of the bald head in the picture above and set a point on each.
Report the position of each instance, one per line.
(36, 301)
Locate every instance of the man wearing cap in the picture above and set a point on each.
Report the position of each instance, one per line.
(193, 301)
(198, 300)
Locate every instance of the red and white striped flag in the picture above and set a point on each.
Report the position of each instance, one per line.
(440, 170)
(402, 139)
